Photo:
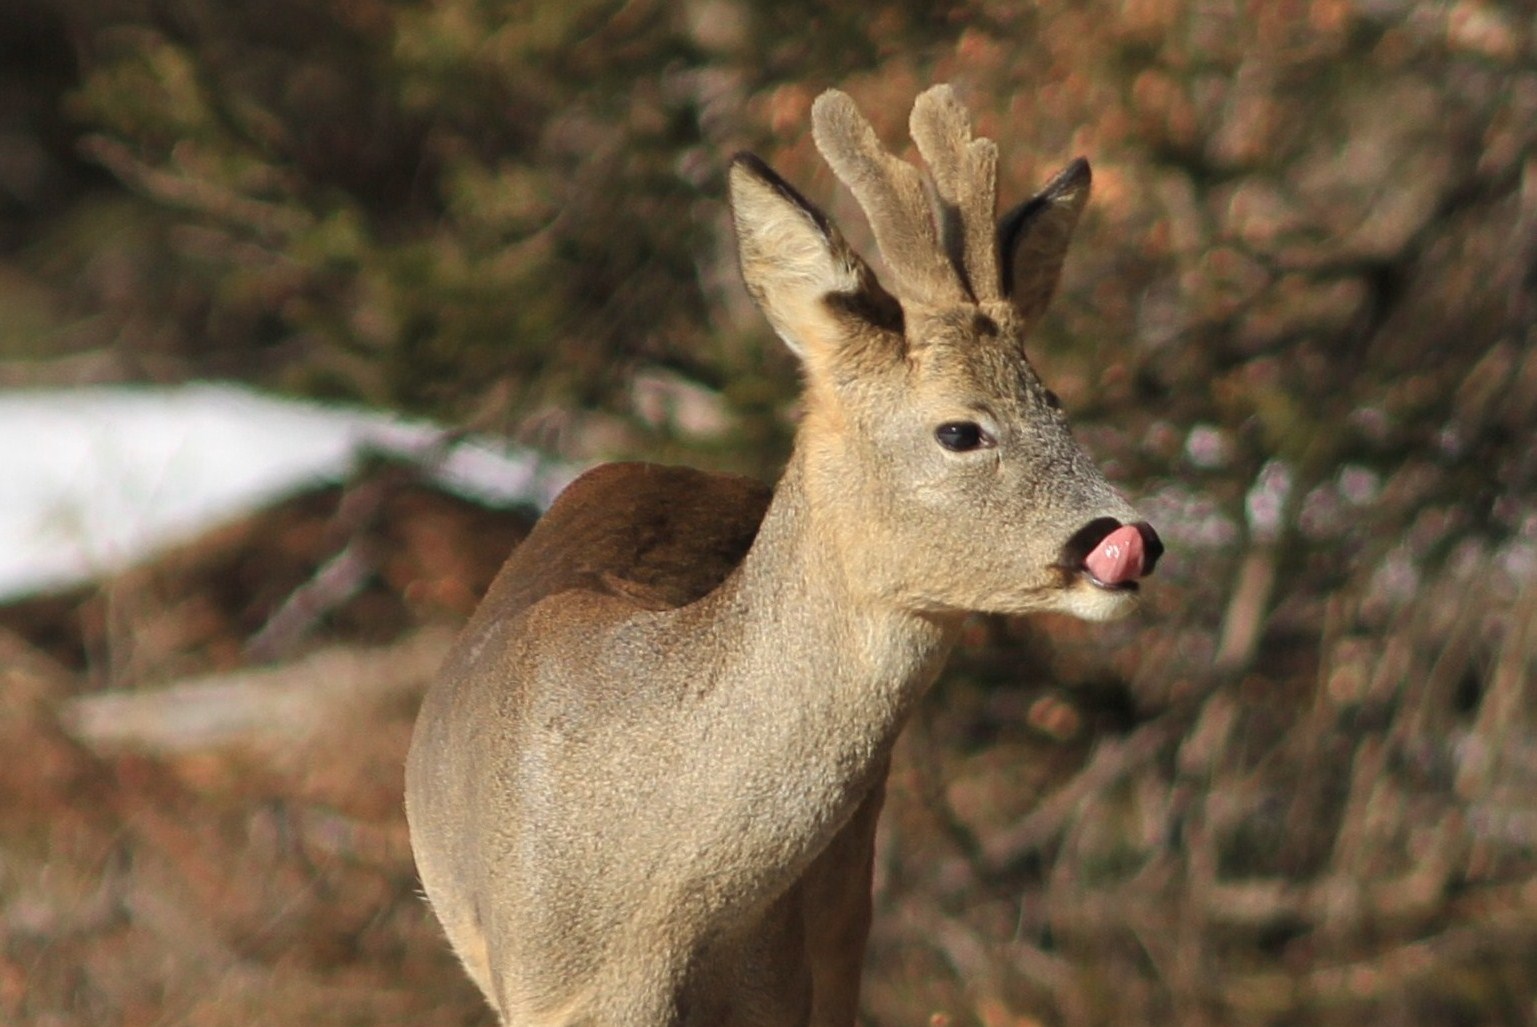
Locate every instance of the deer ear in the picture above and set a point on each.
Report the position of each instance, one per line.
(807, 281)
(1034, 236)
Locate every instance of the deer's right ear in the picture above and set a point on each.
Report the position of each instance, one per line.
(804, 277)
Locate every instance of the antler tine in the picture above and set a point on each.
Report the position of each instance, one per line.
(892, 195)
(965, 173)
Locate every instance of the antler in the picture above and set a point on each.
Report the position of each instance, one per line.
(892, 194)
(955, 262)
(965, 174)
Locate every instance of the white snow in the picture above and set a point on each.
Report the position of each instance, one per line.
(94, 479)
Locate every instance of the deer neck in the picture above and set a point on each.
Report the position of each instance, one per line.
(800, 687)
(829, 671)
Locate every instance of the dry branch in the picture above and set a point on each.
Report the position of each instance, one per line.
(1507, 927)
(281, 704)
(1112, 760)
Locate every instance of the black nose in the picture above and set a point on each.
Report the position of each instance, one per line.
(1087, 538)
(1153, 545)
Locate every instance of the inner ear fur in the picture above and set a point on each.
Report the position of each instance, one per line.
(817, 293)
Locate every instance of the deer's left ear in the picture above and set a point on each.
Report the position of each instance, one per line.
(1033, 239)
(809, 283)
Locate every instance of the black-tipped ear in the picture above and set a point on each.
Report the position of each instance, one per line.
(804, 277)
(1033, 239)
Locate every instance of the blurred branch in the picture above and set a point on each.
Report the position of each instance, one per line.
(1113, 760)
(334, 583)
(1504, 925)
(345, 574)
(1244, 621)
(270, 220)
(982, 964)
(272, 705)
(1344, 901)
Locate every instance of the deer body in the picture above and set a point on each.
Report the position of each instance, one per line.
(645, 787)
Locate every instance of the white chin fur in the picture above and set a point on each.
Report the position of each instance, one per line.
(1090, 602)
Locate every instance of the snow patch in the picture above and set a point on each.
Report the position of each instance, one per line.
(95, 479)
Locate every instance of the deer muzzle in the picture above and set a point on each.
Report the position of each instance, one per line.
(1113, 555)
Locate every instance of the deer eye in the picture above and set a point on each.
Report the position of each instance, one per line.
(962, 436)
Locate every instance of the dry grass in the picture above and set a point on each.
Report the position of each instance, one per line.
(231, 849)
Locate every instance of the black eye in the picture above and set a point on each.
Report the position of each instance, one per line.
(1052, 400)
(960, 436)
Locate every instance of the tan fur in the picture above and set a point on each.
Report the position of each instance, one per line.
(644, 789)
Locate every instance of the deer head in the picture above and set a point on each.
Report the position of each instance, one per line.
(939, 466)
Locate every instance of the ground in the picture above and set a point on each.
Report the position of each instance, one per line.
(204, 820)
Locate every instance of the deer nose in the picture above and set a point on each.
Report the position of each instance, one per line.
(1114, 555)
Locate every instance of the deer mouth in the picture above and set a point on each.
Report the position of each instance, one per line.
(1111, 555)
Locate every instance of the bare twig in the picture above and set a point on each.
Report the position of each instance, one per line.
(268, 219)
(1505, 926)
(336, 581)
(1244, 621)
(279, 705)
(1112, 760)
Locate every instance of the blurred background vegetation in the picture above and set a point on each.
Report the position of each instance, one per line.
(1298, 327)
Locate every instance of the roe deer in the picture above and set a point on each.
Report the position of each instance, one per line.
(644, 788)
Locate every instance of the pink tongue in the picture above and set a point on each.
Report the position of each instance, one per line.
(1118, 559)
